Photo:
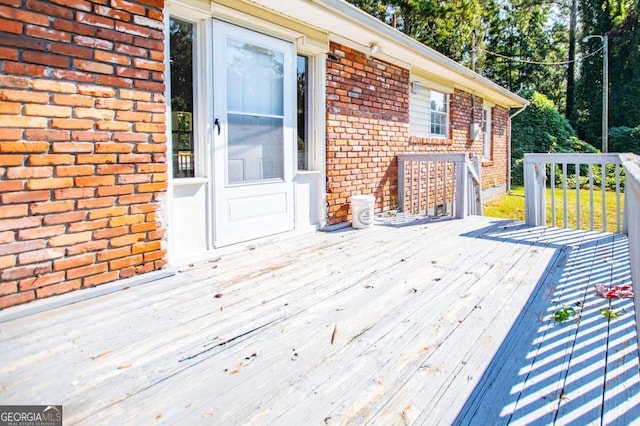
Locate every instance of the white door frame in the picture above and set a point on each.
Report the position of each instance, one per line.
(181, 248)
(313, 212)
(247, 210)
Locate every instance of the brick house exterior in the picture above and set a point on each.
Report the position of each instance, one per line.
(85, 174)
(368, 124)
(82, 144)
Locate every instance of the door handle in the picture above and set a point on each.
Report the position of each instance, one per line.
(216, 123)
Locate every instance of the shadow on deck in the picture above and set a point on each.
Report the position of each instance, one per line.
(580, 371)
(421, 321)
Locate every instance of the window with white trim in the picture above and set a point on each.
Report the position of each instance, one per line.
(429, 108)
(439, 103)
(303, 112)
(487, 148)
(181, 70)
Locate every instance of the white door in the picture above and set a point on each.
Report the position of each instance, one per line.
(254, 107)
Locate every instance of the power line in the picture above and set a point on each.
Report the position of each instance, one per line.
(527, 61)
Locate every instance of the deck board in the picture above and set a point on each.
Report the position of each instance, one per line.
(426, 322)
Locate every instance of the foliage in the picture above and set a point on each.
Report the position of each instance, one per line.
(448, 26)
(522, 31)
(618, 20)
(563, 314)
(181, 40)
(624, 139)
(609, 183)
(443, 26)
(531, 31)
(541, 128)
(608, 313)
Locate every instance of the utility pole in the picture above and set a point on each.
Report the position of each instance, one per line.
(605, 88)
(605, 94)
(473, 50)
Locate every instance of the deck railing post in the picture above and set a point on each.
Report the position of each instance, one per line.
(534, 192)
(541, 183)
(461, 188)
(631, 225)
(477, 163)
(529, 193)
(625, 211)
(401, 184)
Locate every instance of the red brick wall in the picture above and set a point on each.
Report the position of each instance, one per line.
(368, 124)
(495, 173)
(82, 144)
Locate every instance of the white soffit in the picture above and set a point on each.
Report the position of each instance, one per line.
(343, 19)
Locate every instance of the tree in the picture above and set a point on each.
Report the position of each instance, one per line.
(443, 26)
(526, 29)
(571, 73)
(527, 35)
(448, 26)
(181, 61)
(541, 128)
(618, 20)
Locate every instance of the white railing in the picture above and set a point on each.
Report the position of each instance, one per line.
(564, 173)
(439, 185)
(631, 165)
(627, 217)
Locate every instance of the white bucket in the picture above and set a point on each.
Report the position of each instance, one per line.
(362, 211)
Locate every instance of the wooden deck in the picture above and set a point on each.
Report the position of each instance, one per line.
(426, 322)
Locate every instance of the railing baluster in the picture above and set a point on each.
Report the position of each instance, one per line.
(411, 187)
(553, 194)
(564, 193)
(603, 188)
(401, 185)
(471, 206)
(435, 190)
(454, 188)
(419, 186)
(618, 198)
(444, 188)
(426, 195)
(591, 196)
(578, 196)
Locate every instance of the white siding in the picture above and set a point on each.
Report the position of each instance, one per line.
(419, 113)
(419, 105)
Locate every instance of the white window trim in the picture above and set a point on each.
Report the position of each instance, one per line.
(487, 139)
(420, 105)
(316, 107)
(446, 114)
(203, 87)
(310, 114)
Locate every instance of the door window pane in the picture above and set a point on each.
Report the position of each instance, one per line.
(255, 148)
(181, 66)
(254, 79)
(255, 113)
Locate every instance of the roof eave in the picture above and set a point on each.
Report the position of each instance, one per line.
(467, 76)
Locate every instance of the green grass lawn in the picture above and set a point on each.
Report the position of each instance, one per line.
(511, 206)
